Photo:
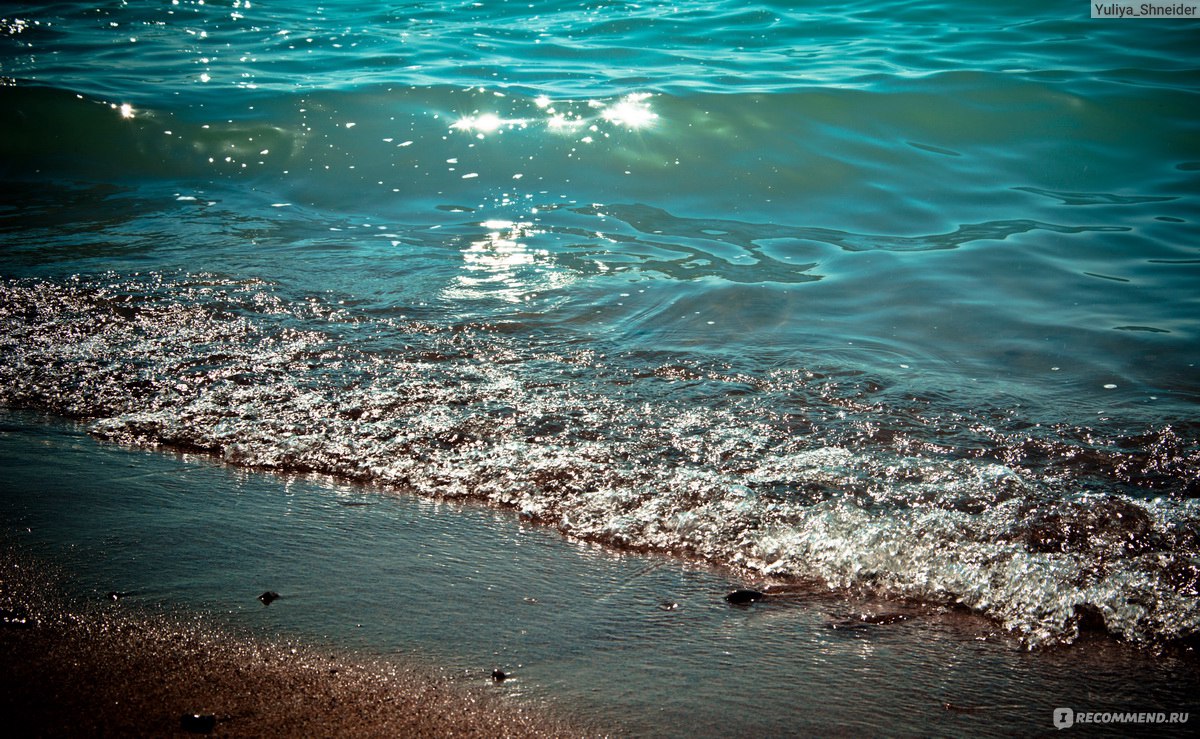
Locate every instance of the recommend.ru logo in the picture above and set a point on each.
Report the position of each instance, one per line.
(1063, 718)
(1067, 717)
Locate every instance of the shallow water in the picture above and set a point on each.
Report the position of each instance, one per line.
(895, 298)
(632, 644)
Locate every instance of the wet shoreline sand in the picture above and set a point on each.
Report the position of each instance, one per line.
(98, 669)
(427, 598)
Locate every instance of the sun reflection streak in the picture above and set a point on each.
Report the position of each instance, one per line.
(632, 111)
(560, 122)
(487, 123)
(502, 265)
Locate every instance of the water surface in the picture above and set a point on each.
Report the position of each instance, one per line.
(891, 298)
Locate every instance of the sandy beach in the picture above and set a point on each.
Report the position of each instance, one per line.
(393, 611)
(96, 669)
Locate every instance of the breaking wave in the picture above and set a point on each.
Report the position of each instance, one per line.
(792, 474)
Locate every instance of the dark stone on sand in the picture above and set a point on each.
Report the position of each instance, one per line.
(198, 723)
(499, 675)
(744, 596)
(269, 597)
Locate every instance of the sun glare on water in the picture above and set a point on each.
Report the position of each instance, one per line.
(631, 111)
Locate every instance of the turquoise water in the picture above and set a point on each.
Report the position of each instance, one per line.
(895, 298)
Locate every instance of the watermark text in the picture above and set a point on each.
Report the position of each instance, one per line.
(1065, 718)
(1159, 9)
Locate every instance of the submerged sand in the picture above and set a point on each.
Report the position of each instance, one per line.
(92, 669)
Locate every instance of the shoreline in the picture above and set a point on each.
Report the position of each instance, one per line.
(83, 669)
(414, 603)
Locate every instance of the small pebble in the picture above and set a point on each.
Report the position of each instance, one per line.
(742, 596)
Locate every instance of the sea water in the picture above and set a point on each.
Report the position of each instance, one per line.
(895, 298)
(625, 644)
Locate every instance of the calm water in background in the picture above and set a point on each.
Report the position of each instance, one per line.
(894, 297)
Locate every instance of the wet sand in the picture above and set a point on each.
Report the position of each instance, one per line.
(619, 642)
(95, 669)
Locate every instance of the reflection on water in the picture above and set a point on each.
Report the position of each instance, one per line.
(630, 112)
(504, 267)
(486, 123)
(857, 296)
